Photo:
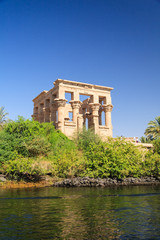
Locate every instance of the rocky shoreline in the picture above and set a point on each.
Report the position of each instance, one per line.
(98, 182)
(79, 182)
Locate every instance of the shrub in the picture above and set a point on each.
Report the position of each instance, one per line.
(156, 144)
(25, 168)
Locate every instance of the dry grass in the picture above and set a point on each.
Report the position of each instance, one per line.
(22, 184)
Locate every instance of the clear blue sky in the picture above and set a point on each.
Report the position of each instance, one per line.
(114, 43)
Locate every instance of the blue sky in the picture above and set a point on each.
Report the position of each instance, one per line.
(114, 43)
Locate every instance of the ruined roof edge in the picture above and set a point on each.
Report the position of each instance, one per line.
(81, 83)
(42, 93)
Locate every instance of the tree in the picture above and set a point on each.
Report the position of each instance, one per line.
(145, 140)
(3, 115)
(153, 130)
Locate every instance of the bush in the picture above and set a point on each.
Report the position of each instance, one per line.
(29, 148)
(25, 168)
(156, 144)
(85, 137)
(68, 164)
(115, 159)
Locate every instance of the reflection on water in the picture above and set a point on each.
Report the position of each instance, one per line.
(80, 213)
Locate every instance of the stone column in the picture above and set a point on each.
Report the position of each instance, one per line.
(35, 114)
(41, 113)
(95, 109)
(75, 108)
(108, 109)
(60, 108)
(47, 110)
(100, 116)
(80, 122)
(47, 114)
(53, 109)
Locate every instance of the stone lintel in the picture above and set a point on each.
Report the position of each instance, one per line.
(68, 123)
(103, 127)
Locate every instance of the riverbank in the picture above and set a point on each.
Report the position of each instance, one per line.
(14, 184)
(45, 181)
(80, 182)
(91, 182)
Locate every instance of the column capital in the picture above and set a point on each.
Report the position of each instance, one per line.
(94, 106)
(59, 102)
(75, 104)
(107, 108)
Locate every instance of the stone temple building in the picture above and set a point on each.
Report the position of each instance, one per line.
(62, 106)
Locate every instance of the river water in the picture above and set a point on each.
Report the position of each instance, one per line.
(131, 212)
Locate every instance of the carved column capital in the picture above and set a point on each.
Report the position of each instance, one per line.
(94, 106)
(59, 102)
(75, 104)
(107, 108)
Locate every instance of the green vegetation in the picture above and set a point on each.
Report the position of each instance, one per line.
(3, 118)
(153, 130)
(29, 149)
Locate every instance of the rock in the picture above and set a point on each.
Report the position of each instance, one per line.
(2, 178)
(98, 182)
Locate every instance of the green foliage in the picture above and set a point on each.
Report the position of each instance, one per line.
(145, 140)
(156, 144)
(153, 130)
(68, 163)
(3, 118)
(30, 139)
(151, 165)
(115, 159)
(85, 137)
(29, 148)
(24, 168)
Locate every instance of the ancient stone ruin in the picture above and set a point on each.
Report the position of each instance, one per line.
(62, 106)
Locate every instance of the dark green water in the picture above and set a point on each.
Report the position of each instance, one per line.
(80, 213)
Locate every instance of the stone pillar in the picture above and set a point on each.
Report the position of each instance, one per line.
(53, 109)
(47, 110)
(75, 108)
(100, 116)
(80, 122)
(95, 116)
(76, 95)
(47, 114)
(60, 108)
(35, 114)
(95, 98)
(108, 109)
(41, 113)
